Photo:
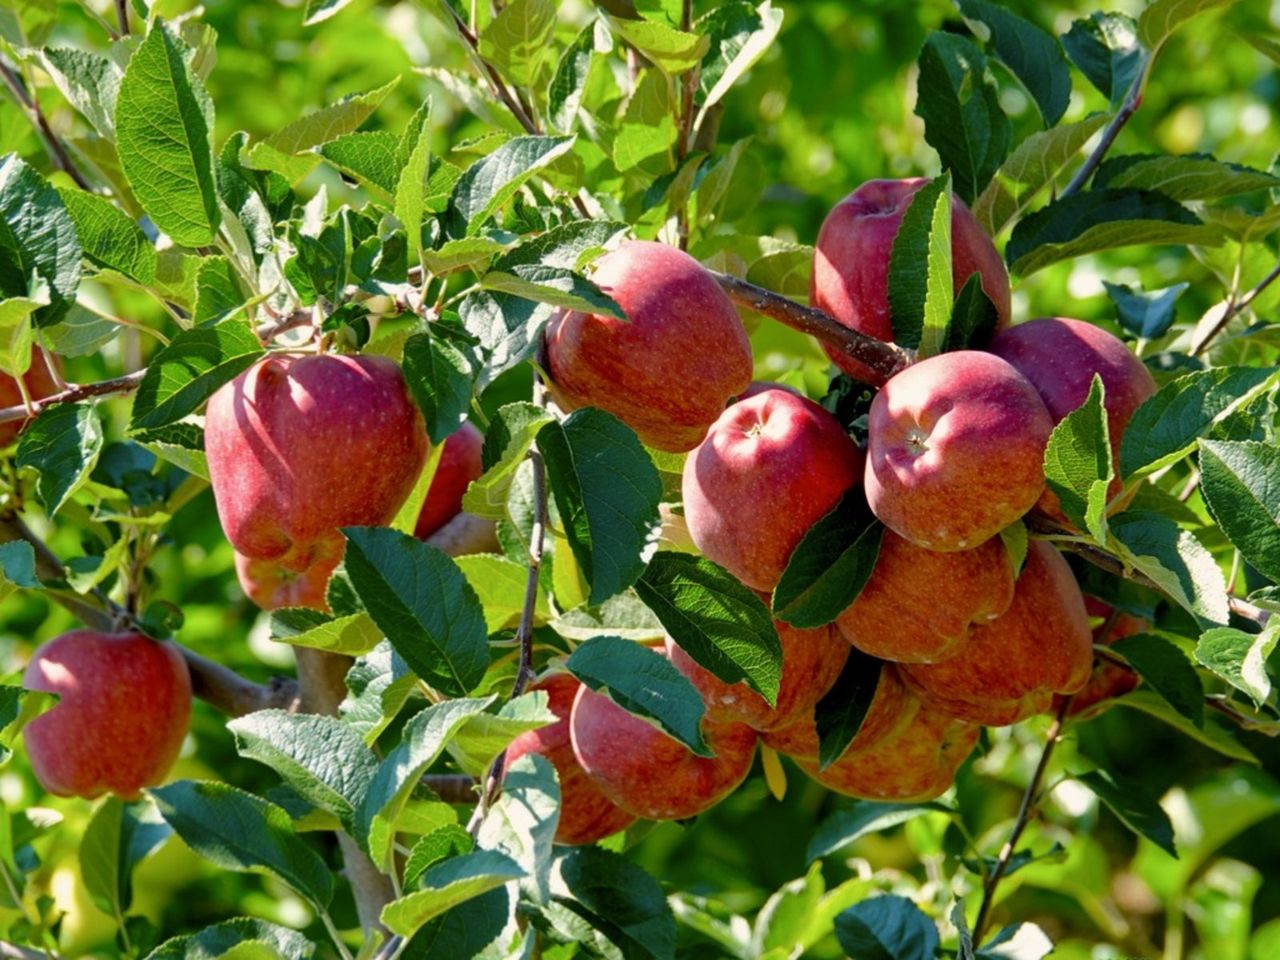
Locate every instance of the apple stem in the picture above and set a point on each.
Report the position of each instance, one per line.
(885, 359)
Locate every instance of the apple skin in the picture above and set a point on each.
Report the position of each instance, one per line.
(273, 586)
(39, 383)
(1060, 357)
(668, 370)
(919, 605)
(301, 446)
(1010, 669)
(918, 761)
(650, 774)
(956, 450)
(851, 262)
(1108, 679)
(769, 468)
(811, 662)
(586, 814)
(460, 463)
(124, 710)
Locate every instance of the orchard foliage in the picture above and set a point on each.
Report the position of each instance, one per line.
(180, 201)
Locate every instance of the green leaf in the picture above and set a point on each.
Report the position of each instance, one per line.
(830, 565)
(522, 824)
(109, 238)
(190, 369)
(90, 83)
(1106, 49)
(516, 40)
(851, 823)
(79, 333)
(1174, 559)
(974, 317)
(367, 155)
(670, 50)
(569, 82)
(494, 179)
(419, 598)
(625, 906)
(607, 491)
(1102, 220)
(117, 838)
(1146, 314)
(1183, 178)
(959, 102)
(379, 684)
(509, 329)
(238, 831)
(1077, 463)
(15, 334)
(717, 621)
(320, 757)
(1032, 55)
(510, 435)
(484, 736)
(739, 35)
(463, 252)
(164, 132)
(17, 568)
(441, 844)
(644, 683)
(1167, 671)
(411, 186)
(569, 246)
(1133, 806)
(63, 444)
(647, 131)
(888, 927)
(1162, 17)
(1037, 162)
(557, 286)
(621, 616)
(920, 283)
(352, 636)
(320, 10)
(1216, 734)
(1165, 428)
(1241, 484)
(439, 377)
(1239, 658)
(218, 294)
(230, 937)
(500, 585)
(842, 709)
(39, 249)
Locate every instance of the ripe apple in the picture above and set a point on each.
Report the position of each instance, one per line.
(273, 586)
(851, 262)
(459, 464)
(39, 382)
(1060, 357)
(918, 605)
(124, 709)
(956, 450)
(586, 814)
(768, 469)
(650, 774)
(668, 369)
(300, 446)
(1108, 679)
(918, 761)
(811, 662)
(1010, 668)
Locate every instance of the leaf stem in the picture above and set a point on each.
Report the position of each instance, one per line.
(56, 148)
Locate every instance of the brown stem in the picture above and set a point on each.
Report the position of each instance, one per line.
(884, 359)
(1235, 309)
(1019, 824)
(299, 318)
(122, 14)
(452, 787)
(30, 106)
(103, 388)
(1132, 101)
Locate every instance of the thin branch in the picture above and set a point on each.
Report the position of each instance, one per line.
(291, 321)
(1235, 309)
(103, 388)
(122, 14)
(1132, 101)
(885, 359)
(1029, 797)
(30, 106)
(452, 787)
(688, 84)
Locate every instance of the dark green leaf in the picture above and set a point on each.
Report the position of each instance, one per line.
(38, 241)
(509, 329)
(510, 435)
(1183, 178)
(1077, 463)
(888, 927)
(568, 246)
(439, 377)
(1106, 49)
(1167, 671)
(1241, 484)
(109, 238)
(116, 839)
(842, 709)
(448, 841)
(625, 904)
(850, 823)
(739, 35)
(1162, 17)
(523, 823)
(90, 83)
(190, 369)
(263, 940)
(379, 684)
(1145, 314)
(1137, 810)
(1217, 733)
(18, 565)
(920, 284)
(1239, 658)
(1031, 54)
(564, 95)
(1174, 559)
(973, 318)
(557, 286)
(218, 293)
(63, 444)
(494, 179)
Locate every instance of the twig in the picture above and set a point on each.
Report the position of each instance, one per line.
(122, 13)
(1132, 101)
(1020, 823)
(291, 321)
(103, 388)
(11, 951)
(452, 787)
(27, 101)
(885, 359)
(684, 117)
(1235, 309)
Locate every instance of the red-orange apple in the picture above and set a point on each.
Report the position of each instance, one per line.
(123, 713)
(650, 774)
(851, 262)
(1010, 668)
(956, 450)
(668, 369)
(1108, 679)
(586, 814)
(892, 706)
(271, 585)
(459, 464)
(39, 382)
(1060, 357)
(300, 446)
(918, 605)
(769, 468)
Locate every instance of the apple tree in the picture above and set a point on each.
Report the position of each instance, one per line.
(638, 479)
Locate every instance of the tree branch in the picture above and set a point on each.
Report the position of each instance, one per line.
(452, 787)
(1235, 309)
(122, 13)
(27, 101)
(885, 359)
(103, 388)
(1132, 101)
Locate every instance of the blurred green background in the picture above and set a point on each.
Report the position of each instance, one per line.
(829, 107)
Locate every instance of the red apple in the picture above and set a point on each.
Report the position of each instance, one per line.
(956, 450)
(272, 586)
(459, 464)
(301, 446)
(1108, 679)
(1010, 668)
(586, 814)
(811, 662)
(667, 370)
(769, 468)
(39, 382)
(918, 605)
(646, 772)
(124, 709)
(1060, 357)
(851, 262)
